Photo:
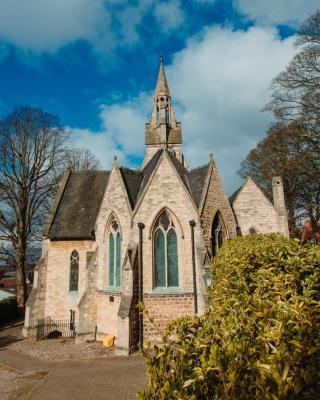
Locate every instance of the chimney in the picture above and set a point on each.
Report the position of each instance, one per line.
(278, 196)
(279, 205)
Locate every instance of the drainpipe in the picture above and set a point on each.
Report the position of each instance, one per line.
(140, 262)
(192, 225)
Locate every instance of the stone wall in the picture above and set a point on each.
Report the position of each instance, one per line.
(216, 200)
(107, 313)
(87, 307)
(115, 202)
(35, 306)
(166, 191)
(163, 309)
(59, 299)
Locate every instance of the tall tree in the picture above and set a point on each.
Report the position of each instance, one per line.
(80, 159)
(296, 90)
(32, 151)
(292, 146)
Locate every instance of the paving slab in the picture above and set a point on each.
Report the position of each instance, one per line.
(111, 378)
(117, 378)
(22, 362)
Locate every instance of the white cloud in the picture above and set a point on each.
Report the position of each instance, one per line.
(169, 15)
(125, 125)
(99, 143)
(290, 12)
(221, 83)
(39, 26)
(121, 132)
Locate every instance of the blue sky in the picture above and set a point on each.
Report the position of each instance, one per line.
(94, 64)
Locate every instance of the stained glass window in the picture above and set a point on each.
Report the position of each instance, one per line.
(166, 273)
(111, 259)
(118, 255)
(74, 271)
(114, 255)
(172, 259)
(160, 256)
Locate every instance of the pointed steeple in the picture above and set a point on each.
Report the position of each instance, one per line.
(163, 131)
(162, 88)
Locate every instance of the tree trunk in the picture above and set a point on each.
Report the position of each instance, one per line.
(21, 272)
(314, 227)
(313, 222)
(291, 221)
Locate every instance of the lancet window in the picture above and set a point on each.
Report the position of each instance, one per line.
(217, 234)
(114, 255)
(165, 253)
(74, 271)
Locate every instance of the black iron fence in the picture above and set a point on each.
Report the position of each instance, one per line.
(48, 328)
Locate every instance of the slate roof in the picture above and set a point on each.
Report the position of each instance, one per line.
(79, 206)
(234, 195)
(196, 179)
(81, 199)
(132, 181)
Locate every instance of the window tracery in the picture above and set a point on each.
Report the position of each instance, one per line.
(114, 254)
(165, 254)
(74, 271)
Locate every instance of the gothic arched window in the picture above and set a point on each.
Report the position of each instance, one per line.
(74, 271)
(114, 255)
(217, 234)
(165, 253)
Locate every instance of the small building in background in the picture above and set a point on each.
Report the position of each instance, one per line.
(255, 213)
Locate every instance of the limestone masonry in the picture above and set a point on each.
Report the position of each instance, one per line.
(116, 239)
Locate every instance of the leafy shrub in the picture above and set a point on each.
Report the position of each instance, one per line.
(8, 309)
(260, 336)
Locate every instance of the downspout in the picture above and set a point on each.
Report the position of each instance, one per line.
(140, 262)
(192, 225)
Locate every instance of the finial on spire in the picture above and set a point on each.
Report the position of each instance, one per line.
(161, 57)
(115, 161)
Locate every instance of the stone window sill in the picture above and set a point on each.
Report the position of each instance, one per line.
(112, 290)
(167, 290)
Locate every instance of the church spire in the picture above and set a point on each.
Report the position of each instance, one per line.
(163, 131)
(162, 114)
(162, 88)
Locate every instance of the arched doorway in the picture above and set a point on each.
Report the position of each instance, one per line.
(217, 234)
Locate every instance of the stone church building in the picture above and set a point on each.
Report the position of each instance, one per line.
(117, 238)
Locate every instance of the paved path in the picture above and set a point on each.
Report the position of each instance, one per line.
(114, 378)
(22, 362)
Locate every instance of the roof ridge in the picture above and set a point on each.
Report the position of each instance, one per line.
(90, 171)
(157, 153)
(199, 167)
(128, 169)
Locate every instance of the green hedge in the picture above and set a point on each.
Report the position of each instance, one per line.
(259, 338)
(8, 309)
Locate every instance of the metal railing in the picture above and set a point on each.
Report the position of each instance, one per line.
(48, 328)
